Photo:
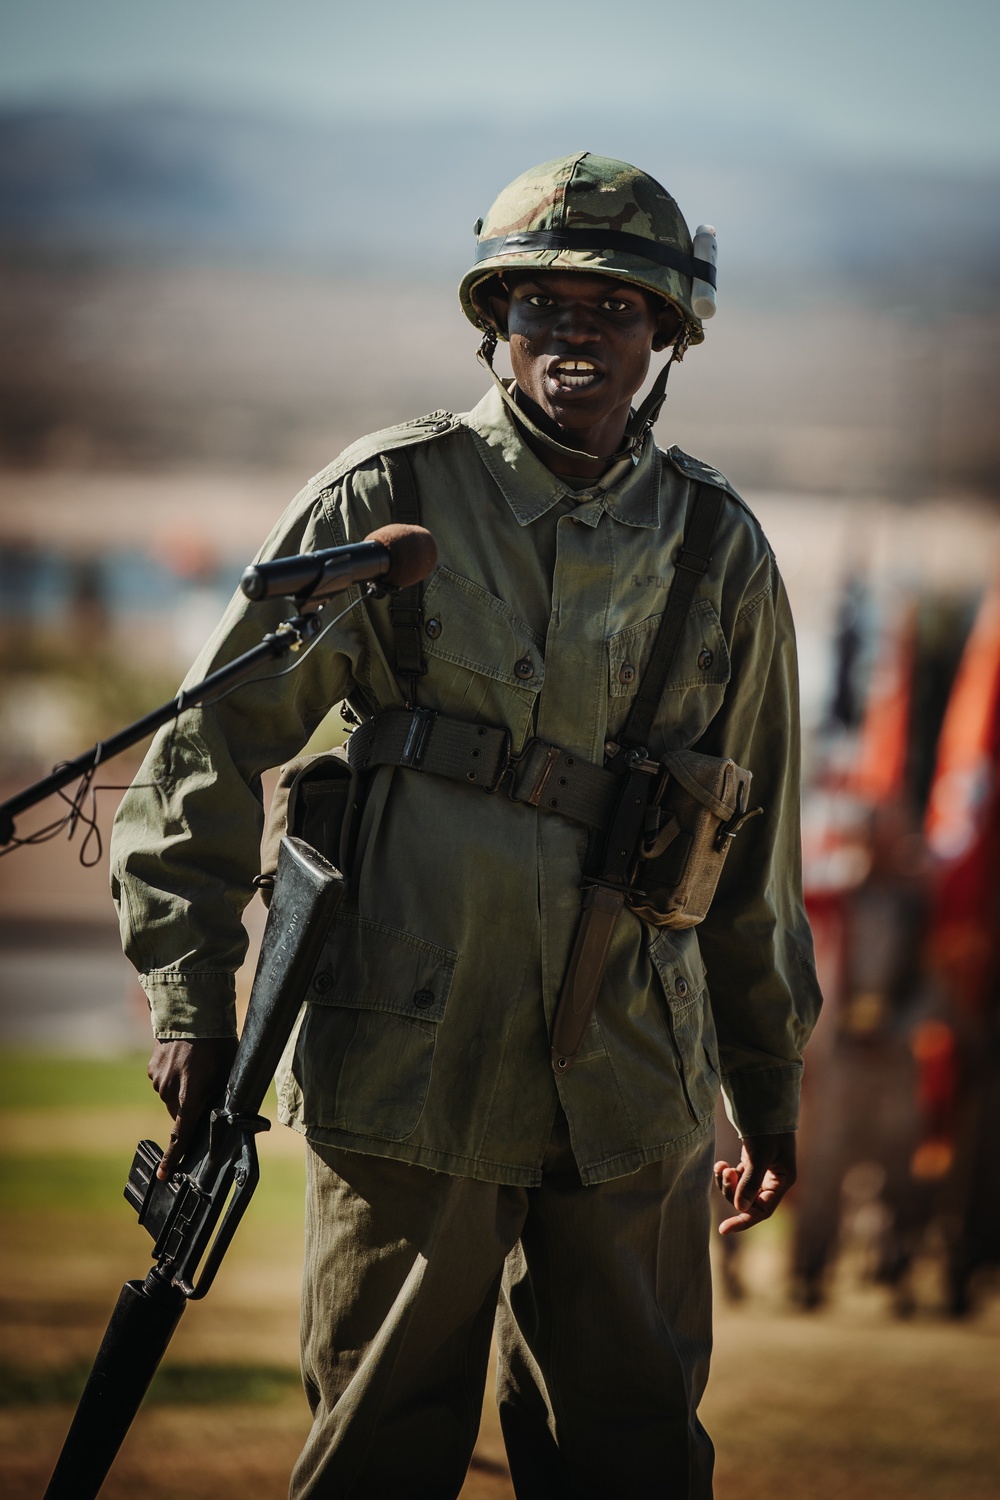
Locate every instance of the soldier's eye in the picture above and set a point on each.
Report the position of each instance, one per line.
(615, 304)
(537, 300)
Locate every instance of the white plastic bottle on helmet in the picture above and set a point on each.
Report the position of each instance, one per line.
(706, 247)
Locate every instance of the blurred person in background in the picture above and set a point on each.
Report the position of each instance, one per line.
(866, 878)
(862, 1118)
(461, 1173)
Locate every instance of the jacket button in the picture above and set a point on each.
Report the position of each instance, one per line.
(525, 667)
(626, 672)
(423, 999)
(681, 987)
(433, 628)
(705, 660)
(323, 982)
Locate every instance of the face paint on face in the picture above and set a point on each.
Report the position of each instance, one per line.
(580, 347)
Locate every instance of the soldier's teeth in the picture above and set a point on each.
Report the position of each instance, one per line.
(575, 372)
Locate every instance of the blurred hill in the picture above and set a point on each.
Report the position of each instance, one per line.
(172, 183)
(183, 288)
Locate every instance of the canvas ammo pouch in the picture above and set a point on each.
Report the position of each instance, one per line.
(316, 800)
(700, 805)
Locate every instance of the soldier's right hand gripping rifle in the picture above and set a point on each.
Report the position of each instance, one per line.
(192, 1217)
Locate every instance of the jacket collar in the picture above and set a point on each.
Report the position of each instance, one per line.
(530, 489)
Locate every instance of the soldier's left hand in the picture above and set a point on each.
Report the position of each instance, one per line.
(755, 1188)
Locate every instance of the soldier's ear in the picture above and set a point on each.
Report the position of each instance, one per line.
(668, 326)
(499, 303)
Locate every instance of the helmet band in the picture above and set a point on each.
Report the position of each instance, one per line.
(598, 239)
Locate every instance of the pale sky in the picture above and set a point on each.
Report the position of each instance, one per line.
(908, 80)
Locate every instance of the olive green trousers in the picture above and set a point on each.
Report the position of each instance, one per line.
(601, 1299)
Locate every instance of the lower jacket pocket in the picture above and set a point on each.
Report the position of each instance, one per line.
(366, 1043)
(677, 962)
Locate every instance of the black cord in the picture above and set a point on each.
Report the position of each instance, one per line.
(78, 813)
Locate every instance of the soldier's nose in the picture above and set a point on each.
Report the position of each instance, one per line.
(576, 325)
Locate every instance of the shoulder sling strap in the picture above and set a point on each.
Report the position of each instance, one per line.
(406, 606)
(691, 564)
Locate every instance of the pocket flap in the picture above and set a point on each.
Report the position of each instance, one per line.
(366, 965)
(677, 961)
(467, 625)
(710, 780)
(702, 658)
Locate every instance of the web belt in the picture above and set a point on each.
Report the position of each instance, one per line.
(542, 776)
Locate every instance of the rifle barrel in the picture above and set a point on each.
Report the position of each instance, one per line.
(141, 1326)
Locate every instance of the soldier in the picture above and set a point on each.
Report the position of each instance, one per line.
(461, 1172)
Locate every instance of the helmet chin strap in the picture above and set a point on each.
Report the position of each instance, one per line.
(639, 423)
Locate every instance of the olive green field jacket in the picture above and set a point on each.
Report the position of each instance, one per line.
(542, 612)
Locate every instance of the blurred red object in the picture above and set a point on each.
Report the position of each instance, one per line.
(186, 553)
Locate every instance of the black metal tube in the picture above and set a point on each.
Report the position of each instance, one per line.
(317, 575)
(140, 1329)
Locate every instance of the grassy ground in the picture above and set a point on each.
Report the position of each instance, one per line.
(846, 1403)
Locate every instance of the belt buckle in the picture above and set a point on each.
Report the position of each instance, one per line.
(548, 765)
(510, 770)
(506, 767)
(417, 737)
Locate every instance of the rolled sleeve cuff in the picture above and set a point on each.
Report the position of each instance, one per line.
(763, 1101)
(189, 1006)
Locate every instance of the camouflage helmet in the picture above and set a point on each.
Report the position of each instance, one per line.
(587, 213)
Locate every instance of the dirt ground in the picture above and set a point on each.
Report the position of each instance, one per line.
(848, 1402)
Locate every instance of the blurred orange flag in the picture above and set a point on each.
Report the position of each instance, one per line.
(962, 817)
(879, 773)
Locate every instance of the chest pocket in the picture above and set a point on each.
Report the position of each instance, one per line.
(483, 661)
(698, 677)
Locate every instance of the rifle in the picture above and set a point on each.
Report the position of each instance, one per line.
(193, 1216)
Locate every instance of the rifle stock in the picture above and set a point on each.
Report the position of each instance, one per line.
(193, 1216)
